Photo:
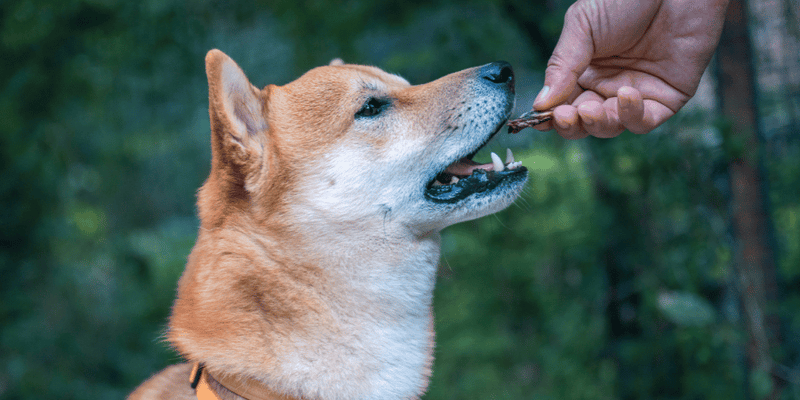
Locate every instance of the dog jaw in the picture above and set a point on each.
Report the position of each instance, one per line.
(315, 264)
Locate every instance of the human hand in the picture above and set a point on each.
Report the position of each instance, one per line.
(627, 64)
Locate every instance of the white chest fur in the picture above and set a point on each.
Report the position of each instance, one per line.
(380, 344)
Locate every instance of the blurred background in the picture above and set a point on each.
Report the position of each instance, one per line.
(662, 266)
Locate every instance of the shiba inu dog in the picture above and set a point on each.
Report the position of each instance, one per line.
(314, 266)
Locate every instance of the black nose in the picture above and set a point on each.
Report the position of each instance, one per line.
(499, 73)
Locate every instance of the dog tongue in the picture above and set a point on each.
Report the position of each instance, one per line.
(465, 166)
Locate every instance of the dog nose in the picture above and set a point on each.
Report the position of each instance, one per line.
(499, 73)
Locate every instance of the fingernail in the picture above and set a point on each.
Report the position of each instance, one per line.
(624, 103)
(542, 94)
(585, 116)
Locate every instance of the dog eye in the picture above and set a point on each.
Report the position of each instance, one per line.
(372, 108)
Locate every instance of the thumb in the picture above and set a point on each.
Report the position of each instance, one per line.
(571, 57)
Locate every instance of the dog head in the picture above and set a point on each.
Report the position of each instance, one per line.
(352, 145)
(316, 258)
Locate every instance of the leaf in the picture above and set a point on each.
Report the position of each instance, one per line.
(760, 383)
(686, 308)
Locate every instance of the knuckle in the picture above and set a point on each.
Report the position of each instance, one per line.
(557, 64)
(574, 10)
(581, 13)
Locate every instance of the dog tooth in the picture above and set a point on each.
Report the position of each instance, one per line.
(509, 156)
(498, 165)
(453, 180)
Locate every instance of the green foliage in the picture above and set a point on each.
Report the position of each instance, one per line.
(597, 284)
(610, 278)
(504, 328)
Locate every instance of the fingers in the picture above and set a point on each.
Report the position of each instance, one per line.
(600, 119)
(637, 115)
(570, 100)
(570, 58)
(655, 114)
(566, 122)
(630, 108)
(591, 114)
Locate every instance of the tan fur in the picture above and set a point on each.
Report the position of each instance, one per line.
(302, 274)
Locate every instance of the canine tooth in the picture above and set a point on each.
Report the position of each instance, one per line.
(509, 156)
(498, 165)
(453, 180)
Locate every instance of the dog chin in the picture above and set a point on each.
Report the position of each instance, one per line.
(475, 206)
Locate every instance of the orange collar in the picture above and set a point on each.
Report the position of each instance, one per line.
(249, 389)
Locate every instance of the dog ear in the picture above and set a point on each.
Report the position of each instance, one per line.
(237, 109)
(336, 61)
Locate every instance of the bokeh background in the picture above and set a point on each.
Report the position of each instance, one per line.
(662, 266)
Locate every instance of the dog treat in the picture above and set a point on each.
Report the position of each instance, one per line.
(529, 119)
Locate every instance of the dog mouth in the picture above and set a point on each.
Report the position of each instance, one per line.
(464, 177)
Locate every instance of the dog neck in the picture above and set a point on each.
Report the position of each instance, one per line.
(231, 388)
(304, 322)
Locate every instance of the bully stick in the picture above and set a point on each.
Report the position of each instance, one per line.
(529, 119)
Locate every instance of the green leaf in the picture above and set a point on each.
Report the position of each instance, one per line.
(686, 308)
(760, 383)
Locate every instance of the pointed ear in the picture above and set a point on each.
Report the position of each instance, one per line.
(236, 107)
(336, 61)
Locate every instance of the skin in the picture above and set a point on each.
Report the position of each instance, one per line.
(627, 64)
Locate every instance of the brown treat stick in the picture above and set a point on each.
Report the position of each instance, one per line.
(529, 119)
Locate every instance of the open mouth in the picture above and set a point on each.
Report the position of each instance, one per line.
(465, 177)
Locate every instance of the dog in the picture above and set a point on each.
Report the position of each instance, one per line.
(313, 271)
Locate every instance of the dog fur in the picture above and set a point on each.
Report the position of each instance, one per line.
(315, 262)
